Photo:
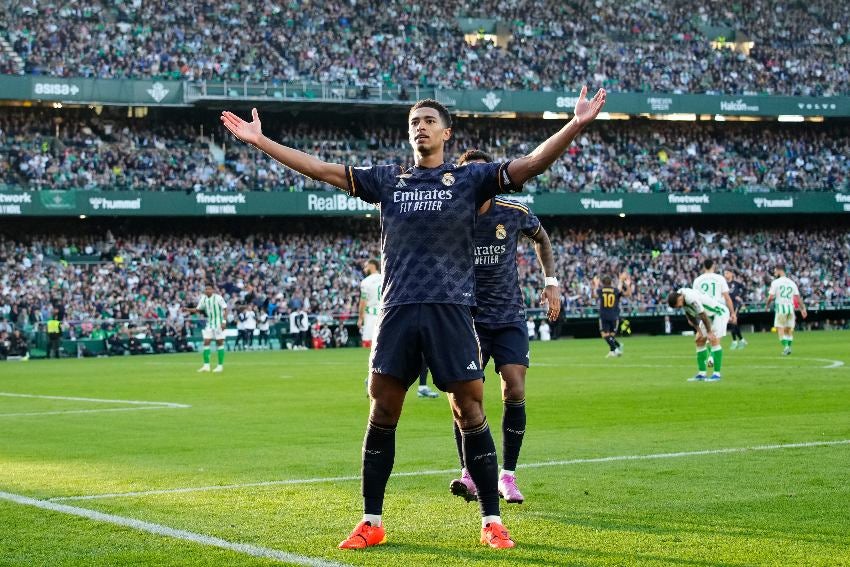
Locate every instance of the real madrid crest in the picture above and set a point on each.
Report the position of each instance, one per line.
(448, 179)
(501, 233)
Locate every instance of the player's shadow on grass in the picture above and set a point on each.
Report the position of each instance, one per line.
(747, 532)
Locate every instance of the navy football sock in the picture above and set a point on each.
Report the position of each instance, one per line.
(612, 344)
(513, 431)
(479, 454)
(378, 457)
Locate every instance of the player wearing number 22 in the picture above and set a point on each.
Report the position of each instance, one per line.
(786, 297)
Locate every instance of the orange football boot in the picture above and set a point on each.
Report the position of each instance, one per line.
(496, 536)
(366, 535)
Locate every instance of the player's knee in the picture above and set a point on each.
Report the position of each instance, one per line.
(513, 382)
(469, 413)
(385, 410)
(387, 395)
(700, 341)
(514, 392)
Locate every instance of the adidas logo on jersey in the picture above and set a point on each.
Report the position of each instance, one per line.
(472, 366)
(400, 184)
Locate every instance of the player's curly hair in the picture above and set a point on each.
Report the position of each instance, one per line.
(474, 155)
(673, 298)
(436, 105)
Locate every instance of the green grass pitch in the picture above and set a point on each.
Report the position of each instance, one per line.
(696, 496)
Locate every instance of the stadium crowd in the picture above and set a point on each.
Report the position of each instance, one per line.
(81, 150)
(636, 45)
(96, 284)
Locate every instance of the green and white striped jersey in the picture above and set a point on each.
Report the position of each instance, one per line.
(213, 307)
(712, 285)
(697, 302)
(783, 291)
(370, 291)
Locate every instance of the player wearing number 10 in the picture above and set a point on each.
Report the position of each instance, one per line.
(784, 292)
(609, 310)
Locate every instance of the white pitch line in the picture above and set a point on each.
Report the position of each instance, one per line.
(139, 405)
(830, 364)
(318, 480)
(160, 530)
(63, 412)
(618, 365)
(94, 400)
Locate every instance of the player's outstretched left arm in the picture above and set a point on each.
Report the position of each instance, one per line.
(305, 164)
(625, 284)
(552, 291)
(544, 155)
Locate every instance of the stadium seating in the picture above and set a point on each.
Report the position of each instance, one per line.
(144, 279)
(635, 45)
(81, 150)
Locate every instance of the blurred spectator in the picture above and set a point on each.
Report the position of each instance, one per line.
(631, 45)
(314, 277)
(90, 152)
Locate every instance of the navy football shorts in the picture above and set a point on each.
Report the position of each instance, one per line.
(442, 333)
(608, 325)
(505, 343)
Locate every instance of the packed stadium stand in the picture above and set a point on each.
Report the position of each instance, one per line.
(79, 149)
(101, 282)
(766, 46)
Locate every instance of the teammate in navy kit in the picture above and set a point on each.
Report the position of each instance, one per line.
(427, 247)
(736, 293)
(609, 309)
(500, 321)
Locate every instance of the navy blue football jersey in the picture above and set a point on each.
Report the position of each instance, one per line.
(428, 225)
(609, 302)
(497, 289)
(736, 293)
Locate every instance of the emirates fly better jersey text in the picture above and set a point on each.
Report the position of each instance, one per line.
(497, 289)
(427, 226)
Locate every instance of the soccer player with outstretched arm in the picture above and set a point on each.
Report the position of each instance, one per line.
(214, 307)
(427, 249)
(609, 309)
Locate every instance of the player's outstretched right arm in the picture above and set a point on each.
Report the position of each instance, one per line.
(305, 164)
